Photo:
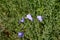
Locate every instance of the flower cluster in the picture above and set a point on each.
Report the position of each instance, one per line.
(29, 17)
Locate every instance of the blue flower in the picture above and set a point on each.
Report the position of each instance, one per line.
(20, 34)
(40, 18)
(22, 20)
(29, 17)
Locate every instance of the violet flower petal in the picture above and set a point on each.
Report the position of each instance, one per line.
(29, 17)
(20, 34)
(39, 18)
(22, 20)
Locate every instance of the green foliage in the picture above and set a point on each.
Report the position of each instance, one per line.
(13, 10)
